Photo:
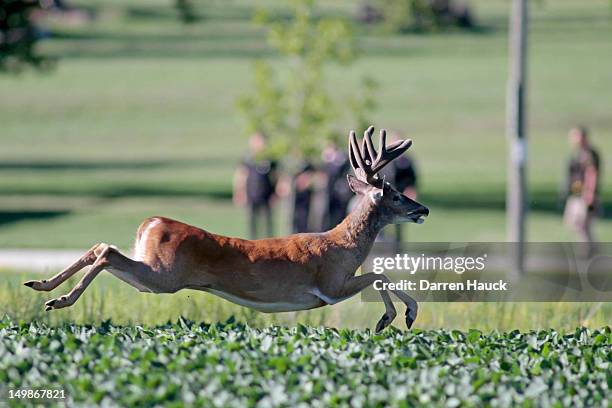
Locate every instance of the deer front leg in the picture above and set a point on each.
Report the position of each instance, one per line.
(412, 307)
(47, 285)
(68, 300)
(390, 312)
(358, 283)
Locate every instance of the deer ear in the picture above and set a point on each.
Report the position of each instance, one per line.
(357, 186)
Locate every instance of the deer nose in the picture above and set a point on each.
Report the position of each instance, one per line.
(423, 210)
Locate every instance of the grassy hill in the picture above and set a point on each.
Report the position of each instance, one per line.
(139, 118)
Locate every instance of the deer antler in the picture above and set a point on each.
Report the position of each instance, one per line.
(366, 162)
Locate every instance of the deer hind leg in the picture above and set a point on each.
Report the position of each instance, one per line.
(47, 285)
(98, 265)
(356, 284)
(108, 257)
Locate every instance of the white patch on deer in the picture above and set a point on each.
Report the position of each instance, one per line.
(140, 248)
(266, 307)
(129, 278)
(327, 299)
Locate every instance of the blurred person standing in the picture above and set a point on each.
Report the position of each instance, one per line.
(403, 175)
(254, 185)
(335, 166)
(582, 186)
(303, 183)
(298, 189)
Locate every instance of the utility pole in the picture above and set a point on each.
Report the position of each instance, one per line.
(516, 195)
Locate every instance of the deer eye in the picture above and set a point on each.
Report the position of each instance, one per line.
(396, 198)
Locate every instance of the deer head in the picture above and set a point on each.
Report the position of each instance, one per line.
(392, 206)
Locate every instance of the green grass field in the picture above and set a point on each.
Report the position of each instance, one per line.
(110, 299)
(139, 119)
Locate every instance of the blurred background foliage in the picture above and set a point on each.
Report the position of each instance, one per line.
(293, 105)
(404, 16)
(187, 11)
(18, 35)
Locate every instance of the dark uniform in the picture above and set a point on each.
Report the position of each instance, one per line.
(302, 199)
(401, 173)
(404, 173)
(337, 190)
(260, 186)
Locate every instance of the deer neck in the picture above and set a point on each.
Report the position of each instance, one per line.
(359, 229)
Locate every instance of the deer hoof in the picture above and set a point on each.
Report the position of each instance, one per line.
(37, 285)
(60, 302)
(384, 321)
(410, 318)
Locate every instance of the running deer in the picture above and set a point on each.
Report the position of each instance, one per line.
(298, 272)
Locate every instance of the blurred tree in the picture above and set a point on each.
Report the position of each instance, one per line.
(187, 12)
(292, 104)
(18, 35)
(400, 16)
